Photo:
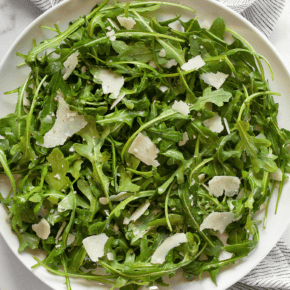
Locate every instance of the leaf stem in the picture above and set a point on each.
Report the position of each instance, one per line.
(251, 97)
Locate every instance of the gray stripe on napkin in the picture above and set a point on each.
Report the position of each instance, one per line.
(272, 273)
(264, 14)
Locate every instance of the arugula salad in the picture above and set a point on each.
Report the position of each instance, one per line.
(140, 149)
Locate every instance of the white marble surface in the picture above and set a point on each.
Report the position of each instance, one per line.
(15, 15)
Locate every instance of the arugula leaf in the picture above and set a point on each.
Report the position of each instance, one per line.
(57, 179)
(217, 97)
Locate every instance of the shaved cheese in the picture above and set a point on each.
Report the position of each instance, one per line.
(227, 126)
(214, 123)
(201, 177)
(104, 200)
(172, 242)
(25, 101)
(184, 139)
(214, 80)
(277, 175)
(120, 196)
(70, 64)
(224, 255)
(70, 239)
(110, 257)
(57, 176)
(162, 53)
(163, 89)
(223, 237)
(127, 22)
(219, 184)
(95, 245)
(170, 63)
(118, 100)
(181, 107)
(147, 150)
(113, 23)
(115, 228)
(111, 33)
(42, 229)
(152, 63)
(60, 231)
(67, 123)
(111, 82)
(194, 63)
(137, 213)
(217, 221)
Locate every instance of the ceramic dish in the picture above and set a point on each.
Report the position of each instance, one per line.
(12, 77)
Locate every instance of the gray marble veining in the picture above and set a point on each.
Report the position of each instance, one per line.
(7, 17)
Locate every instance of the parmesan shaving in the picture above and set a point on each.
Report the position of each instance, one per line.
(70, 64)
(118, 100)
(70, 239)
(110, 257)
(163, 89)
(277, 175)
(120, 196)
(127, 22)
(170, 63)
(152, 63)
(227, 126)
(194, 63)
(67, 123)
(147, 150)
(110, 33)
(220, 184)
(214, 80)
(161, 252)
(137, 213)
(25, 101)
(181, 107)
(214, 123)
(111, 82)
(162, 53)
(60, 231)
(104, 200)
(42, 229)
(184, 139)
(95, 245)
(217, 221)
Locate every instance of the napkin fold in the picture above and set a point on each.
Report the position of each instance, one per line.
(274, 271)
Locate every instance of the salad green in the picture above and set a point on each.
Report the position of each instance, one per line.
(138, 146)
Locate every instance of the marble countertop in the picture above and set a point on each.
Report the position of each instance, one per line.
(15, 15)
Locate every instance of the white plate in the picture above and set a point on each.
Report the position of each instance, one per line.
(207, 10)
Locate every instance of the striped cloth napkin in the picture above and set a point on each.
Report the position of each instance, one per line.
(274, 271)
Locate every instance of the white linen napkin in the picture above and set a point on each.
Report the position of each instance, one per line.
(274, 271)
